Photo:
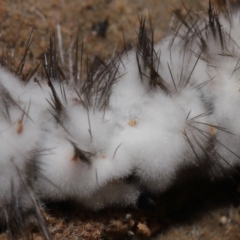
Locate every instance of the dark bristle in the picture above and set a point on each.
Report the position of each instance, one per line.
(82, 155)
(207, 158)
(214, 24)
(174, 83)
(31, 74)
(50, 62)
(75, 70)
(81, 60)
(211, 18)
(16, 214)
(219, 28)
(53, 64)
(14, 220)
(101, 76)
(8, 102)
(190, 21)
(195, 64)
(56, 102)
(62, 75)
(183, 22)
(236, 68)
(115, 152)
(213, 155)
(19, 70)
(190, 31)
(147, 59)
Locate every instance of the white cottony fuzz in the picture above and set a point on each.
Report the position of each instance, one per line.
(136, 123)
(19, 140)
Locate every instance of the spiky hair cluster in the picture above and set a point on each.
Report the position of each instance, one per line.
(135, 121)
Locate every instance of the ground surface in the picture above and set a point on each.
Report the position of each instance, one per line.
(72, 18)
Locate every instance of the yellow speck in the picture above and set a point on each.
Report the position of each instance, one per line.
(19, 127)
(212, 130)
(75, 157)
(76, 101)
(132, 123)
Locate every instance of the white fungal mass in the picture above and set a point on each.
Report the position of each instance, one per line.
(130, 127)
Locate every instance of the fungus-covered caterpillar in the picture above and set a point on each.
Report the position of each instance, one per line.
(135, 121)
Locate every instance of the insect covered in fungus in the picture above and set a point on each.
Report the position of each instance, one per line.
(144, 114)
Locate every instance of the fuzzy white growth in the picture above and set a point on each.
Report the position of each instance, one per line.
(18, 144)
(216, 76)
(151, 127)
(221, 93)
(132, 126)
